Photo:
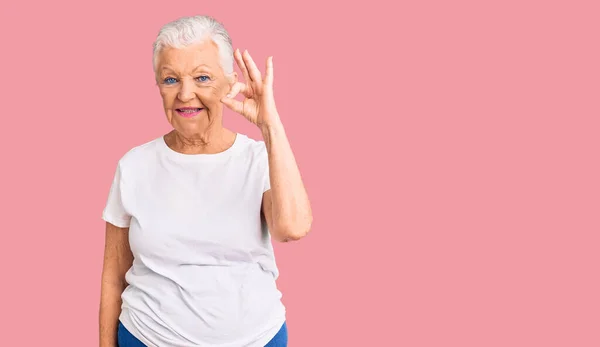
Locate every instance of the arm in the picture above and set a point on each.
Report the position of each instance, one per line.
(286, 205)
(117, 260)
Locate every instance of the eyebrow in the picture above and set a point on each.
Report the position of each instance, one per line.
(202, 66)
(196, 69)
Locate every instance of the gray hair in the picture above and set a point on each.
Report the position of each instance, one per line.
(186, 31)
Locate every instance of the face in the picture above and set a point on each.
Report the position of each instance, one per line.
(192, 84)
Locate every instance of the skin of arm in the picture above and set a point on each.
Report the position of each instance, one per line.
(286, 205)
(117, 261)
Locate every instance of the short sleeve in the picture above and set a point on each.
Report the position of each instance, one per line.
(265, 168)
(114, 211)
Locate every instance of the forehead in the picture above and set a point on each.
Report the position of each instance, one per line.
(187, 59)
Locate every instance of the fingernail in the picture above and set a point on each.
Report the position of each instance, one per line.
(228, 95)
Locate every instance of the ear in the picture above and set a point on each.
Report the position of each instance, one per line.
(232, 79)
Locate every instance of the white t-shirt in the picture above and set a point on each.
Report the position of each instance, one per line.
(204, 270)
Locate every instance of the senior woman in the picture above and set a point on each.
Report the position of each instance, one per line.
(191, 214)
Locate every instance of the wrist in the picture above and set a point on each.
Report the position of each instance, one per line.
(270, 132)
(274, 126)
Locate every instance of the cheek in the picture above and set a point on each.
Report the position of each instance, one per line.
(210, 95)
(167, 98)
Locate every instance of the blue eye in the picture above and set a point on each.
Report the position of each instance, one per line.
(203, 78)
(170, 80)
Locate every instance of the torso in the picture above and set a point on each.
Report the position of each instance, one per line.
(204, 270)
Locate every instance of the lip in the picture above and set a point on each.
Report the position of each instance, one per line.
(188, 112)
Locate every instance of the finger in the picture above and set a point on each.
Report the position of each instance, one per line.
(237, 88)
(240, 62)
(235, 105)
(269, 72)
(252, 68)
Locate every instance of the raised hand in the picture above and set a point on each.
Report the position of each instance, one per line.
(259, 104)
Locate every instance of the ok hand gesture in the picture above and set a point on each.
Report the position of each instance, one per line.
(259, 104)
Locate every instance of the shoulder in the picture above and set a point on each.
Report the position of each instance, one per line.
(252, 147)
(139, 155)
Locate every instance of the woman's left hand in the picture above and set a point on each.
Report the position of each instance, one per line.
(259, 105)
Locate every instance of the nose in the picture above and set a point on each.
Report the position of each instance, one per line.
(186, 92)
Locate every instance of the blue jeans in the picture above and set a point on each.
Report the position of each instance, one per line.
(125, 339)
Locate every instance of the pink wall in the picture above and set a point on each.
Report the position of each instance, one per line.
(450, 150)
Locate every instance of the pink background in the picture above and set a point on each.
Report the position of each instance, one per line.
(450, 150)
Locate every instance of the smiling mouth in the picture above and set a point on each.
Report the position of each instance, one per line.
(188, 111)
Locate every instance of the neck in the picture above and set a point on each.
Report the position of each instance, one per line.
(210, 141)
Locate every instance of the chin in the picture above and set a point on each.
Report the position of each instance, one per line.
(190, 128)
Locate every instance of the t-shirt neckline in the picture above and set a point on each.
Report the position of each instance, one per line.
(200, 157)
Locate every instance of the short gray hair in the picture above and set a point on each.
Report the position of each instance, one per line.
(186, 31)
